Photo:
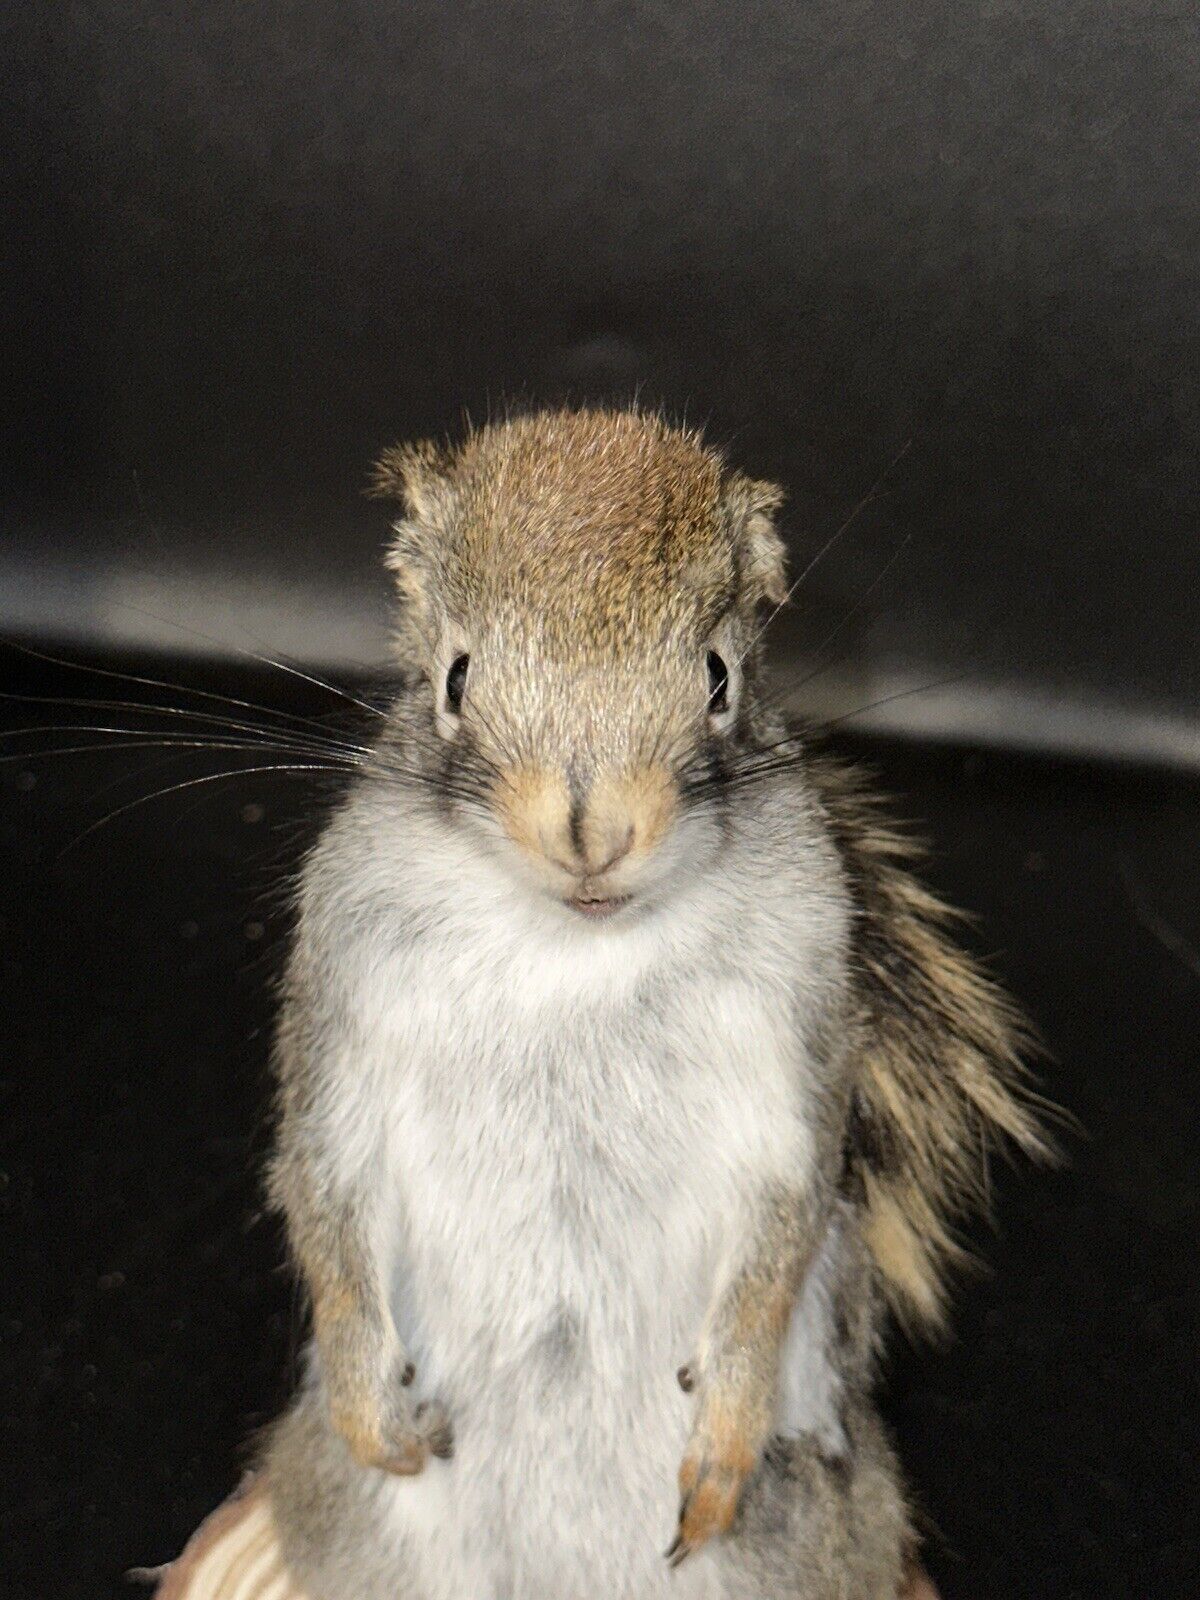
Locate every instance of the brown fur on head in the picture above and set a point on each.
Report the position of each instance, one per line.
(585, 563)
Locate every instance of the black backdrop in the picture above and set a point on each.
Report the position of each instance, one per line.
(247, 244)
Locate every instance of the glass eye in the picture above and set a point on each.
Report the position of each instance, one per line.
(718, 683)
(456, 682)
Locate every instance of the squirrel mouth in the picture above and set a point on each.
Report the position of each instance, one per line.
(589, 905)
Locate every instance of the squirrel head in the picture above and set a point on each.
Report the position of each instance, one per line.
(581, 592)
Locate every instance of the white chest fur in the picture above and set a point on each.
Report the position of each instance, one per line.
(569, 1171)
(569, 1128)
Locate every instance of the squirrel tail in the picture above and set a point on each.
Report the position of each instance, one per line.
(941, 1076)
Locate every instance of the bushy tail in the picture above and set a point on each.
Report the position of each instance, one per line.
(941, 1076)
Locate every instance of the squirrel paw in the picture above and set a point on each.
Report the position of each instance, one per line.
(400, 1450)
(433, 1422)
(721, 1455)
(396, 1437)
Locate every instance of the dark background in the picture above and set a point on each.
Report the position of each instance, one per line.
(246, 246)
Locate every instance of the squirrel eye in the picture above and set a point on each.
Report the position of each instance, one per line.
(456, 682)
(718, 682)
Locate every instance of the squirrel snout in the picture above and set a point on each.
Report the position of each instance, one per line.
(594, 851)
(587, 832)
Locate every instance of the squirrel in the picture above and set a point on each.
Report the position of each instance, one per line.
(630, 1083)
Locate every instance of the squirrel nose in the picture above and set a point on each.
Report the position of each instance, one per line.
(592, 851)
(621, 850)
(580, 858)
(601, 835)
(587, 829)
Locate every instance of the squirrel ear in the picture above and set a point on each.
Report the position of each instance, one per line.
(750, 505)
(414, 474)
(418, 476)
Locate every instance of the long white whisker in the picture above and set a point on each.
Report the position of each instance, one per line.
(189, 783)
(899, 694)
(150, 683)
(795, 688)
(252, 655)
(200, 722)
(103, 747)
(862, 505)
(783, 690)
(282, 738)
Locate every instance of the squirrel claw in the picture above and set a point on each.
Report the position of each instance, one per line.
(677, 1551)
